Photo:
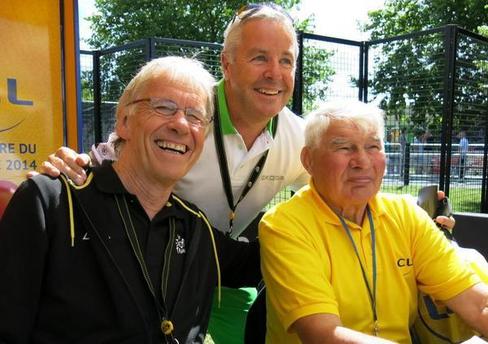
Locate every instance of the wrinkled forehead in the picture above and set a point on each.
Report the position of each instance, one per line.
(351, 128)
(269, 21)
(269, 27)
(164, 85)
(263, 30)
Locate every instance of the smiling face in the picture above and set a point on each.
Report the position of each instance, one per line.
(347, 164)
(259, 72)
(159, 148)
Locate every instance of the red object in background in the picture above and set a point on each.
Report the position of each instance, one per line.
(7, 189)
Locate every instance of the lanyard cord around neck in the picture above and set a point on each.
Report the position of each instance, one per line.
(167, 326)
(224, 169)
(371, 292)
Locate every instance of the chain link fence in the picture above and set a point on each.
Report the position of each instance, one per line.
(433, 86)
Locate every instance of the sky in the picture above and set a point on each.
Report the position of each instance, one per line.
(336, 18)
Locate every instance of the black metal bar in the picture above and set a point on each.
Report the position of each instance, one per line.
(313, 36)
(473, 35)
(152, 48)
(406, 166)
(188, 43)
(97, 97)
(149, 49)
(407, 36)
(142, 42)
(450, 49)
(484, 181)
(297, 106)
(365, 72)
(361, 71)
(136, 44)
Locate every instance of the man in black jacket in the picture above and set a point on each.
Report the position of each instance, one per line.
(121, 259)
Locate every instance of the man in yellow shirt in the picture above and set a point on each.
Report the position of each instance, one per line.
(344, 263)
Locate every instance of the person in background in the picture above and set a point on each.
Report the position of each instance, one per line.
(342, 262)
(122, 259)
(423, 158)
(463, 153)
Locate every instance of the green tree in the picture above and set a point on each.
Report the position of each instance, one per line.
(483, 30)
(119, 22)
(405, 16)
(122, 21)
(408, 72)
(316, 77)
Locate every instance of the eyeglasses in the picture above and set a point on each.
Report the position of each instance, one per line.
(249, 10)
(168, 108)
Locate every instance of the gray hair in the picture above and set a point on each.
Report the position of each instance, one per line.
(187, 71)
(365, 116)
(267, 11)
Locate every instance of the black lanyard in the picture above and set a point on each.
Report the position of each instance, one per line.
(224, 169)
(166, 324)
(372, 293)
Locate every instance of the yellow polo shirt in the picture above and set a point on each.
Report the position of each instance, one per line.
(309, 265)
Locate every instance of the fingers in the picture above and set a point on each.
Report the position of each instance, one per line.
(31, 174)
(440, 195)
(83, 160)
(68, 162)
(446, 222)
(48, 168)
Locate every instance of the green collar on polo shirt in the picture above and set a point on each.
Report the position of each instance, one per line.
(225, 122)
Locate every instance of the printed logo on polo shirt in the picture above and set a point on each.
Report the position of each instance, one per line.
(403, 262)
(180, 245)
(272, 178)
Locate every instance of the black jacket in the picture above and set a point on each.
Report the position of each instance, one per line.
(90, 289)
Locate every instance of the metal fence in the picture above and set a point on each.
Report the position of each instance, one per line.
(437, 93)
(437, 89)
(105, 73)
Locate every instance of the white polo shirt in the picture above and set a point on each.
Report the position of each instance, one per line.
(203, 185)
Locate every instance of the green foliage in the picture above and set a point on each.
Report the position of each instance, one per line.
(87, 85)
(405, 16)
(408, 73)
(317, 74)
(122, 21)
(483, 30)
(119, 22)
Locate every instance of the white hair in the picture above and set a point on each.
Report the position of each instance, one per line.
(187, 71)
(366, 116)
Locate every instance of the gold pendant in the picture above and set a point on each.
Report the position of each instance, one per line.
(167, 327)
(232, 215)
(376, 329)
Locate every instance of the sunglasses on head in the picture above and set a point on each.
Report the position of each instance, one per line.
(249, 10)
